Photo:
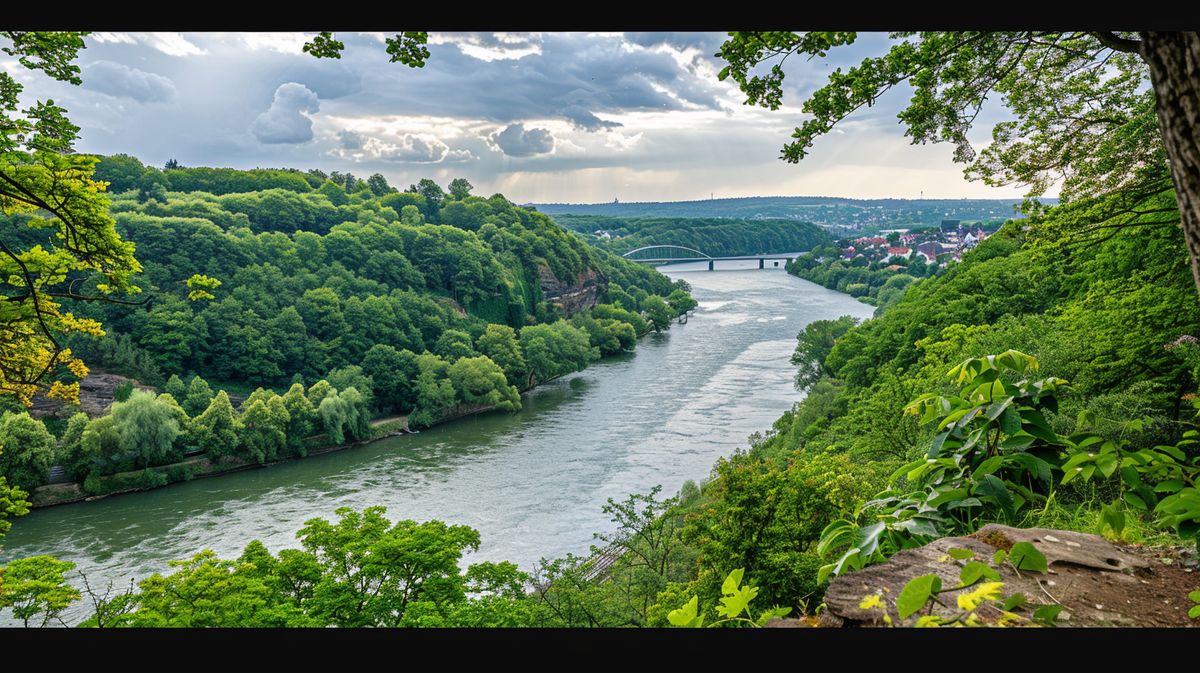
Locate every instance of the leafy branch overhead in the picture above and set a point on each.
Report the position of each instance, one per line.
(1085, 119)
(407, 47)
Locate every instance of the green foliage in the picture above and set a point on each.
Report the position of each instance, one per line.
(36, 586)
(656, 312)
(26, 451)
(1141, 475)
(122, 391)
(715, 236)
(218, 428)
(812, 347)
(992, 453)
(146, 428)
(735, 602)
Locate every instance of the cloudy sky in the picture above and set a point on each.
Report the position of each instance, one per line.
(550, 117)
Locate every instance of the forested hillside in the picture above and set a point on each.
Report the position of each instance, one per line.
(335, 300)
(713, 236)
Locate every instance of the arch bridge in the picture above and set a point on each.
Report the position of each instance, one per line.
(667, 254)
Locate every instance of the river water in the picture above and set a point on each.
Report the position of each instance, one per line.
(532, 483)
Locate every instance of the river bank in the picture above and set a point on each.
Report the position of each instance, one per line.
(200, 467)
(533, 483)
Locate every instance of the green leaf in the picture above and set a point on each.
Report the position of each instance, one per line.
(999, 556)
(1010, 421)
(994, 489)
(732, 581)
(1194, 612)
(824, 572)
(1015, 601)
(1018, 442)
(1047, 614)
(1135, 501)
(974, 571)
(1168, 486)
(916, 594)
(1113, 516)
(687, 616)
(738, 602)
(987, 467)
(1194, 596)
(1024, 556)
(960, 554)
(947, 496)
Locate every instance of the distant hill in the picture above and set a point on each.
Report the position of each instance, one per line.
(718, 236)
(826, 211)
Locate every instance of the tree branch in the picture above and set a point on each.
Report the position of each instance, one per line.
(1118, 43)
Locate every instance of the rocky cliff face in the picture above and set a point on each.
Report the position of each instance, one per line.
(95, 396)
(582, 293)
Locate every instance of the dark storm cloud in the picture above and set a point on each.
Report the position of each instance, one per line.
(115, 79)
(285, 122)
(705, 42)
(598, 74)
(516, 141)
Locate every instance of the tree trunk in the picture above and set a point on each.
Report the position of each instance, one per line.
(1174, 60)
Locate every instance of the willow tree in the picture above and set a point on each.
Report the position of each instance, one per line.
(1111, 117)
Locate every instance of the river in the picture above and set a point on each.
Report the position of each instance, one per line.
(532, 482)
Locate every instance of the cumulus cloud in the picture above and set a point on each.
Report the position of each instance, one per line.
(408, 148)
(583, 120)
(285, 121)
(115, 79)
(415, 149)
(517, 141)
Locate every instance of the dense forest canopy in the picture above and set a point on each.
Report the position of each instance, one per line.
(713, 236)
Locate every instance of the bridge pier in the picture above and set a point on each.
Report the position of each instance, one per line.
(760, 262)
(710, 265)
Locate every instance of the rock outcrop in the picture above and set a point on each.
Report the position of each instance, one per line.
(581, 294)
(95, 396)
(1096, 582)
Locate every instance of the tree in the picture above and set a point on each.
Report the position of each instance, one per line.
(454, 344)
(657, 312)
(813, 344)
(434, 196)
(393, 372)
(434, 391)
(37, 586)
(264, 425)
(499, 342)
(205, 591)
(460, 189)
(302, 417)
(198, 397)
(175, 388)
(27, 451)
(478, 380)
(217, 429)
(379, 185)
(39, 174)
(372, 570)
(147, 428)
(1085, 114)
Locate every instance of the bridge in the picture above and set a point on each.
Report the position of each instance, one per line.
(666, 254)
